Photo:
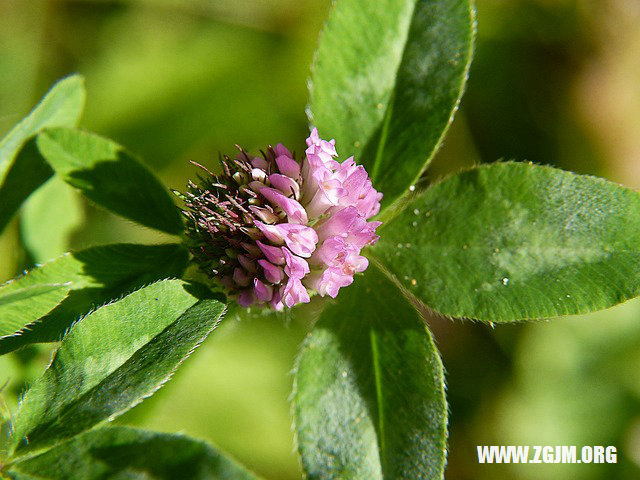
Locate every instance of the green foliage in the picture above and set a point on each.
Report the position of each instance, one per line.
(23, 170)
(121, 452)
(31, 301)
(27, 173)
(497, 243)
(108, 175)
(514, 241)
(387, 78)
(48, 218)
(369, 390)
(112, 359)
(62, 106)
(92, 277)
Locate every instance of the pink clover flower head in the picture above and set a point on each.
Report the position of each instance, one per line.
(273, 230)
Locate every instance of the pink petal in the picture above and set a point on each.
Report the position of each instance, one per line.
(300, 239)
(273, 254)
(272, 273)
(276, 300)
(370, 204)
(295, 212)
(328, 195)
(331, 280)
(263, 292)
(356, 182)
(294, 293)
(328, 251)
(368, 200)
(281, 150)
(313, 138)
(248, 264)
(259, 162)
(264, 214)
(286, 185)
(296, 267)
(316, 154)
(361, 264)
(272, 233)
(246, 298)
(338, 224)
(363, 233)
(346, 168)
(288, 166)
(312, 173)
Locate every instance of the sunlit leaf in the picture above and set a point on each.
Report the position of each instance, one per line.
(514, 241)
(32, 301)
(369, 389)
(108, 175)
(61, 106)
(113, 358)
(387, 78)
(22, 172)
(92, 277)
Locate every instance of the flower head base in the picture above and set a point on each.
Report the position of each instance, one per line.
(272, 230)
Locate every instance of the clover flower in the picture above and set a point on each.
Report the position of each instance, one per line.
(272, 230)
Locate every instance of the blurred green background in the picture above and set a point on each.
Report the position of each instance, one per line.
(553, 81)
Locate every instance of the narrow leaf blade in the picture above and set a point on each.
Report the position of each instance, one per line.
(387, 79)
(111, 177)
(369, 390)
(61, 106)
(113, 358)
(512, 241)
(113, 451)
(22, 168)
(92, 277)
